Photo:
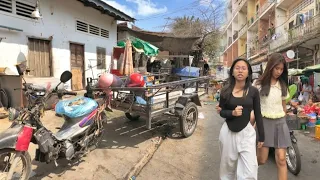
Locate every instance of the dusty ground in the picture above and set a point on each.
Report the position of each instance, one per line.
(196, 157)
(123, 145)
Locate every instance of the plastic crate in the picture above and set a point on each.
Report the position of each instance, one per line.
(293, 122)
(317, 132)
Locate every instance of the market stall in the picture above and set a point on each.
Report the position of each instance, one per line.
(308, 113)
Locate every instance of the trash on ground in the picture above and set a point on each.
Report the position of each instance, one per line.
(201, 116)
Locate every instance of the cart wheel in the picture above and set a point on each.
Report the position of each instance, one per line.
(189, 119)
(132, 117)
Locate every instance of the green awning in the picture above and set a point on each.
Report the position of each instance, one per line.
(295, 72)
(315, 68)
(147, 48)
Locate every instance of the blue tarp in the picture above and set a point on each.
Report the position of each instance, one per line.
(187, 71)
(76, 107)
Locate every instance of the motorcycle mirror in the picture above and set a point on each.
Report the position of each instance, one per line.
(65, 76)
(21, 67)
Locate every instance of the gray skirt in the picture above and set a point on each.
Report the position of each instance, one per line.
(276, 133)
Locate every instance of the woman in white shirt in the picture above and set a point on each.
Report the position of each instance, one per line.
(273, 87)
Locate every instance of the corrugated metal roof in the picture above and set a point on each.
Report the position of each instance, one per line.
(107, 9)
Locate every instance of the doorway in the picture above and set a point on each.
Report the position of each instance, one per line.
(77, 66)
(39, 61)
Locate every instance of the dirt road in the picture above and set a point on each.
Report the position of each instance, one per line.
(197, 157)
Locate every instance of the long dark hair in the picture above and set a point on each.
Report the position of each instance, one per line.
(265, 80)
(231, 82)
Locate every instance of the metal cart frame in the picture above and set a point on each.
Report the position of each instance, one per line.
(179, 106)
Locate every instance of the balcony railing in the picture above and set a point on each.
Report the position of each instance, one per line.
(244, 56)
(252, 51)
(240, 5)
(243, 29)
(299, 33)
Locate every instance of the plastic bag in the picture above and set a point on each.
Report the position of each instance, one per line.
(300, 98)
(76, 107)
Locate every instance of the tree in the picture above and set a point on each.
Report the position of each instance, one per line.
(205, 23)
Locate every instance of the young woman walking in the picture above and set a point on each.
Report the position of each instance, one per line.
(237, 135)
(273, 87)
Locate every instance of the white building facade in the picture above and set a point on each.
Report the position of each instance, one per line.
(71, 35)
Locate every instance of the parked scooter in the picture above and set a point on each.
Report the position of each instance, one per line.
(76, 137)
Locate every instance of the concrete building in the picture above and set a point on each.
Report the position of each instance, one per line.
(256, 28)
(71, 35)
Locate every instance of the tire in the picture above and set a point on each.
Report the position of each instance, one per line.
(4, 98)
(294, 169)
(26, 162)
(132, 117)
(185, 128)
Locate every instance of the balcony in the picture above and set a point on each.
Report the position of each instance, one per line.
(266, 6)
(253, 19)
(284, 4)
(310, 27)
(235, 35)
(252, 51)
(229, 41)
(301, 33)
(240, 5)
(253, 45)
(243, 29)
(266, 40)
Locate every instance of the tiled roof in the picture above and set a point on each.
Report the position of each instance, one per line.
(107, 9)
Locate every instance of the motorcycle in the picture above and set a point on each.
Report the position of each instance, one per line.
(76, 137)
(293, 157)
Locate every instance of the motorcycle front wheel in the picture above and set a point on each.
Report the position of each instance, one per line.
(10, 160)
(293, 159)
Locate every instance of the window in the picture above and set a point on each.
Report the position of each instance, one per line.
(94, 30)
(309, 14)
(291, 24)
(101, 58)
(104, 33)
(22, 8)
(6, 5)
(82, 26)
(91, 29)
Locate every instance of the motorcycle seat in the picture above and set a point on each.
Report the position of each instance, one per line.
(76, 107)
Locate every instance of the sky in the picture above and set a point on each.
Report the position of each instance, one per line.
(152, 15)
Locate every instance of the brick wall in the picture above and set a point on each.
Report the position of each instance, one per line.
(229, 57)
(262, 2)
(235, 50)
(263, 28)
